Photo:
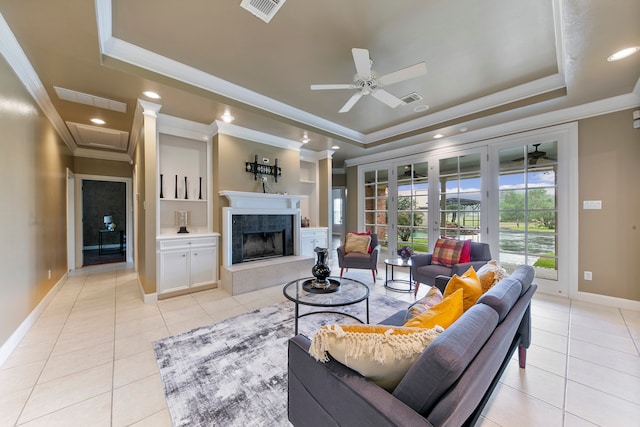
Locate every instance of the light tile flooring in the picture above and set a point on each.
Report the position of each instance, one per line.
(88, 360)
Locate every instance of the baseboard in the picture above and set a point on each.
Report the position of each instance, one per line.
(10, 345)
(147, 298)
(625, 304)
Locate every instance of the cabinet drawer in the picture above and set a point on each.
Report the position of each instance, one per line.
(187, 243)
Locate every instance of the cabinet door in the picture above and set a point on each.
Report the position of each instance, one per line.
(308, 244)
(203, 266)
(174, 270)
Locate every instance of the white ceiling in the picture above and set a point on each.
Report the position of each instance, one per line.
(488, 63)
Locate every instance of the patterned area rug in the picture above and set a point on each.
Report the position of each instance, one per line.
(234, 373)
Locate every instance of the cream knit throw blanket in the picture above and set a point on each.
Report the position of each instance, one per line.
(372, 341)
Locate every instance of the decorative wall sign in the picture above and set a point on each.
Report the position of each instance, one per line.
(261, 169)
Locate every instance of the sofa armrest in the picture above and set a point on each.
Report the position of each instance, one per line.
(460, 269)
(441, 282)
(332, 394)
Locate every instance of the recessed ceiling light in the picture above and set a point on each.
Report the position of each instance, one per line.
(464, 129)
(151, 95)
(305, 138)
(420, 108)
(438, 136)
(227, 117)
(98, 121)
(335, 147)
(623, 53)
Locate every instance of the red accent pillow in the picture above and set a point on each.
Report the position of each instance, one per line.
(447, 252)
(366, 233)
(465, 255)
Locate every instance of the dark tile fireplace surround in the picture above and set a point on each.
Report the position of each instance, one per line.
(259, 237)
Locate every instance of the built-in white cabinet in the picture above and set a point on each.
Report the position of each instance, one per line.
(187, 262)
(312, 237)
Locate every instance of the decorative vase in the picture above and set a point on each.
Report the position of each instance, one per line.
(175, 195)
(186, 192)
(321, 270)
(161, 194)
(200, 190)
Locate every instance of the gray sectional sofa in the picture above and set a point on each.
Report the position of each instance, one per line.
(448, 385)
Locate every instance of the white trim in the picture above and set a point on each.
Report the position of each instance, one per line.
(151, 298)
(551, 118)
(625, 304)
(314, 156)
(101, 154)
(16, 58)
(257, 136)
(12, 342)
(170, 125)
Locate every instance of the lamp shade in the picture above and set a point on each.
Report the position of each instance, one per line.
(108, 219)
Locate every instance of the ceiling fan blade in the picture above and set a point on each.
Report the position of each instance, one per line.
(404, 74)
(350, 103)
(333, 86)
(362, 62)
(387, 98)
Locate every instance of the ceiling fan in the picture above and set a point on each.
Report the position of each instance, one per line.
(534, 155)
(367, 82)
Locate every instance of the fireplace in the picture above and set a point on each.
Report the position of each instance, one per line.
(255, 214)
(255, 237)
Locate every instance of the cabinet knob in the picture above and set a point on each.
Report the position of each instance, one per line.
(184, 255)
(195, 253)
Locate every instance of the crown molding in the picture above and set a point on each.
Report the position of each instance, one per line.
(314, 156)
(176, 126)
(551, 118)
(16, 58)
(102, 155)
(257, 136)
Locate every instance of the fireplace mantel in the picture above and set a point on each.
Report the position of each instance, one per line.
(248, 200)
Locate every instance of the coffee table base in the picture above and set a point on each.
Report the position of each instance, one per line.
(298, 315)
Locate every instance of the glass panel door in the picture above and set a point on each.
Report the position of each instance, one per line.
(376, 204)
(528, 208)
(460, 197)
(412, 207)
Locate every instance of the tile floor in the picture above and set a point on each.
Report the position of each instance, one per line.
(88, 360)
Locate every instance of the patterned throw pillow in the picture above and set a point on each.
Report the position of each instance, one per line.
(357, 243)
(447, 252)
(381, 353)
(443, 314)
(468, 282)
(433, 297)
(490, 274)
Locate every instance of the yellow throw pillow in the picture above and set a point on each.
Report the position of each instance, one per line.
(490, 274)
(357, 243)
(380, 353)
(442, 314)
(470, 283)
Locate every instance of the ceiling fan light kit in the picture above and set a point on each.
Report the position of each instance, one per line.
(367, 82)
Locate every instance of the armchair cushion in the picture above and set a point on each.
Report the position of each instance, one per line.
(433, 297)
(447, 252)
(490, 274)
(357, 243)
(381, 353)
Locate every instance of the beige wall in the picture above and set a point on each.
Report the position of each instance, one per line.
(609, 239)
(324, 193)
(87, 166)
(33, 162)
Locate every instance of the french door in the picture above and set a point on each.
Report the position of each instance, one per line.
(516, 193)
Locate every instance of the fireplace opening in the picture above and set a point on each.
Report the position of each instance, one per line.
(262, 245)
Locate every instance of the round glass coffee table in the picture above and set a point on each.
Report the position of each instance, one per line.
(347, 293)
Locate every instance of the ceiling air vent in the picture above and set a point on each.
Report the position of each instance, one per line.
(85, 98)
(412, 97)
(263, 9)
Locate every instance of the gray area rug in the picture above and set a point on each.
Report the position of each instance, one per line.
(234, 373)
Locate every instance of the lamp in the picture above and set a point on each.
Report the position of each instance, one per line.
(108, 219)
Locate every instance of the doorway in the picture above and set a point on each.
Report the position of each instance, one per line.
(103, 220)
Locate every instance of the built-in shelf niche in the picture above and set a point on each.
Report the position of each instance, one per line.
(180, 157)
(308, 187)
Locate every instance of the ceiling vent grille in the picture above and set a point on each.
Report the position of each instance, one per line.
(263, 9)
(85, 98)
(412, 97)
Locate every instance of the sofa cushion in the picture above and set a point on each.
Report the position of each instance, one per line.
(502, 296)
(490, 274)
(357, 243)
(447, 252)
(381, 353)
(469, 283)
(433, 297)
(525, 276)
(442, 314)
(445, 359)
